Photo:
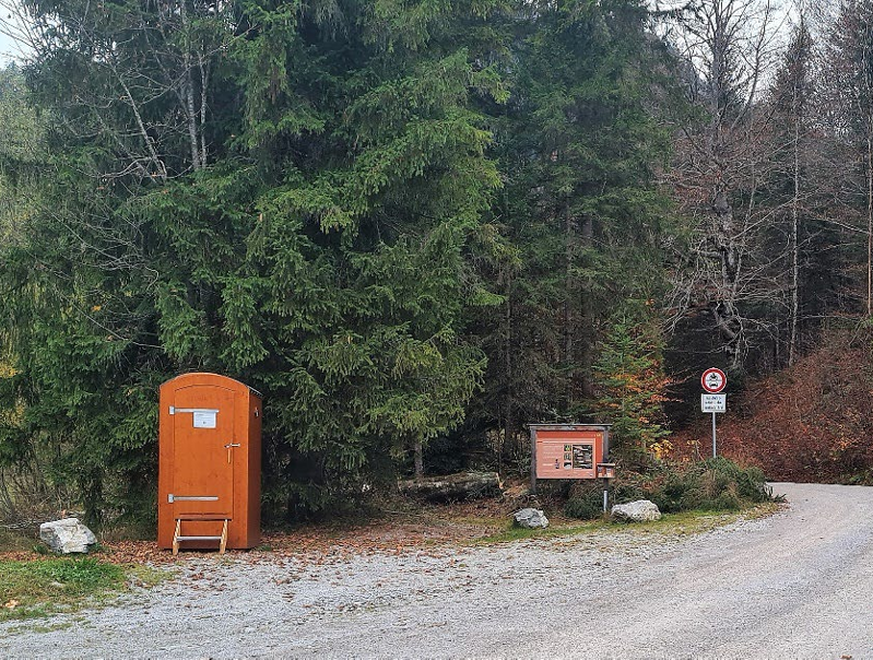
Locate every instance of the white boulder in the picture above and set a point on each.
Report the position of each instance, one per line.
(66, 536)
(639, 511)
(531, 519)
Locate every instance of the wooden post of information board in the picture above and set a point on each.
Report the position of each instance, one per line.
(533, 460)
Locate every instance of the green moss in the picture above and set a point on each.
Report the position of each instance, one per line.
(41, 628)
(147, 576)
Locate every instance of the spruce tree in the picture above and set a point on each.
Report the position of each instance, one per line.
(321, 251)
(583, 218)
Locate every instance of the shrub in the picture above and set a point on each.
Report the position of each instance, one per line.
(585, 507)
(716, 484)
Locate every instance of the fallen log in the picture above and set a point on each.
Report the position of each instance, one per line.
(459, 486)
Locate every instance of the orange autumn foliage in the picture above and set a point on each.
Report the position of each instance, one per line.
(812, 422)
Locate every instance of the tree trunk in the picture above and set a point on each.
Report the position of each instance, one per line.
(568, 302)
(188, 91)
(586, 323)
(419, 459)
(869, 223)
(190, 110)
(508, 398)
(795, 261)
(460, 486)
(204, 86)
(724, 308)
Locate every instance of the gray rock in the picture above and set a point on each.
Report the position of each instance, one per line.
(531, 519)
(66, 536)
(639, 511)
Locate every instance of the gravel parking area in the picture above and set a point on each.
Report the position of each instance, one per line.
(796, 584)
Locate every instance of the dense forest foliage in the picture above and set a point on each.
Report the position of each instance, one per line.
(415, 225)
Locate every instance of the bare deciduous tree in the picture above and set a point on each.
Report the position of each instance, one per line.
(729, 47)
(142, 74)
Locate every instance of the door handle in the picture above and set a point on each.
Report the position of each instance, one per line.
(229, 446)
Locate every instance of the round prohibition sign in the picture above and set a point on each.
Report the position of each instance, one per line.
(713, 380)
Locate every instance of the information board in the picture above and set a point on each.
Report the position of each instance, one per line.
(569, 451)
(568, 455)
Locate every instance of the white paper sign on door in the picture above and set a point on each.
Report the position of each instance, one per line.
(205, 419)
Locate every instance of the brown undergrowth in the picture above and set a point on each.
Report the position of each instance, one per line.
(808, 423)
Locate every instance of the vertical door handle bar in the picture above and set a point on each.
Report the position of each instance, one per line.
(228, 446)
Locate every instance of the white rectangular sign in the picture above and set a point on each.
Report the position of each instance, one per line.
(204, 419)
(713, 403)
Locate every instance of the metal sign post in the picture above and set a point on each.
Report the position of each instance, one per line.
(606, 471)
(713, 381)
(714, 444)
(713, 403)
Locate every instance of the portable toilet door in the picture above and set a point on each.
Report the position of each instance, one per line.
(210, 463)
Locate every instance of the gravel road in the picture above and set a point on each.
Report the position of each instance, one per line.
(796, 584)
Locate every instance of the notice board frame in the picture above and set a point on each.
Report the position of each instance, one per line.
(571, 428)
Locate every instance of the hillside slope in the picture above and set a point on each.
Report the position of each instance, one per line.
(812, 422)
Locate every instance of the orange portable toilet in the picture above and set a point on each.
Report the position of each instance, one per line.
(209, 472)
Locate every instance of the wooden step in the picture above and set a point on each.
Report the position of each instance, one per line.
(178, 537)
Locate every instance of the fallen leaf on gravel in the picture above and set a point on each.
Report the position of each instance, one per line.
(428, 531)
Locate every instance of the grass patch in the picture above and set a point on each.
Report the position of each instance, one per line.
(41, 627)
(685, 522)
(147, 576)
(697, 521)
(11, 541)
(32, 589)
(512, 533)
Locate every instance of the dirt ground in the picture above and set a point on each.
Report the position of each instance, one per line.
(795, 584)
(393, 531)
(413, 527)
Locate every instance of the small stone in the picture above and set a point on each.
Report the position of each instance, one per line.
(66, 536)
(531, 519)
(639, 511)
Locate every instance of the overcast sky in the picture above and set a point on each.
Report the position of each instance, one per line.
(8, 50)
(5, 47)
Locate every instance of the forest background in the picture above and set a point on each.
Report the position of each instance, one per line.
(419, 225)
